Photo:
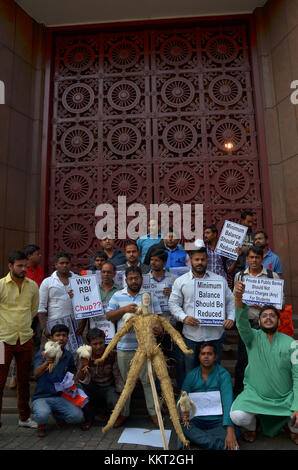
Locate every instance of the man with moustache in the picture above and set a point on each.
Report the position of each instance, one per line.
(270, 259)
(18, 307)
(256, 269)
(132, 258)
(271, 376)
(211, 432)
(124, 301)
(181, 304)
(114, 255)
(55, 301)
(101, 382)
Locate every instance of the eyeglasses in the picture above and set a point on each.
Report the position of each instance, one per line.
(270, 315)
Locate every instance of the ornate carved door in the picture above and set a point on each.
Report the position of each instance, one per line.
(157, 116)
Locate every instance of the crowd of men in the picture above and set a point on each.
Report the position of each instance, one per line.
(33, 309)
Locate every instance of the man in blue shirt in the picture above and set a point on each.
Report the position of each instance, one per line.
(125, 301)
(271, 260)
(177, 256)
(211, 432)
(46, 399)
(145, 242)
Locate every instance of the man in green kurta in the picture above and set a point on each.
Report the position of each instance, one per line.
(271, 376)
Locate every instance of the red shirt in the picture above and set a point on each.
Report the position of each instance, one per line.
(37, 275)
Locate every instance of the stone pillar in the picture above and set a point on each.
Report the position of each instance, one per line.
(277, 41)
(22, 70)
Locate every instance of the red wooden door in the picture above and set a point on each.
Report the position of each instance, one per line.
(148, 115)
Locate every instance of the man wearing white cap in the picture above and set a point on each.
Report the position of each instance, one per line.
(181, 304)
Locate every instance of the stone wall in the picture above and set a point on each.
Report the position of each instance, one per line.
(22, 70)
(277, 42)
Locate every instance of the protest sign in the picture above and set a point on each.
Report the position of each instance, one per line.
(209, 302)
(263, 291)
(231, 237)
(103, 324)
(86, 298)
(73, 341)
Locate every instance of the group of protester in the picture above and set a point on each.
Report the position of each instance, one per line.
(266, 376)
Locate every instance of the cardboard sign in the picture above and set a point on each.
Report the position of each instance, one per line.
(231, 237)
(263, 291)
(86, 298)
(74, 342)
(103, 324)
(209, 302)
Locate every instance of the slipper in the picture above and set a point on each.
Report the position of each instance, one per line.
(294, 437)
(86, 426)
(249, 436)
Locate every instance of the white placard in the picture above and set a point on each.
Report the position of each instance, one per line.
(263, 291)
(157, 289)
(120, 278)
(209, 302)
(74, 342)
(143, 437)
(231, 237)
(207, 403)
(103, 324)
(86, 298)
(146, 282)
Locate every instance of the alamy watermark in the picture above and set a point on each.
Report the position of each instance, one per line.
(187, 220)
(2, 92)
(294, 94)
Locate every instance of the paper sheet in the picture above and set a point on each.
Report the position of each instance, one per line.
(143, 437)
(207, 403)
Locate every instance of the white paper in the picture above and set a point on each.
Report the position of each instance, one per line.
(231, 237)
(86, 298)
(263, 291)
(207, 403)
(143, 437)
(209, 302)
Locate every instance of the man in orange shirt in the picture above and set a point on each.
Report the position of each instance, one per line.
(34, 272)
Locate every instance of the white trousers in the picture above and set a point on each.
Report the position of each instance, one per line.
(248, 420)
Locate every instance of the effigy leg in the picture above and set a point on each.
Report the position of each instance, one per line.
(133, 374)
(161, 371)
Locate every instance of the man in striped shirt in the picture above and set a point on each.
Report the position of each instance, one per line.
(127, 301)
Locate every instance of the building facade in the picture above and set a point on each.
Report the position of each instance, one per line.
(147, 110)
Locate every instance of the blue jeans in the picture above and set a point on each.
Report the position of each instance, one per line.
(209, 434)
(63, 409)
(191, 360)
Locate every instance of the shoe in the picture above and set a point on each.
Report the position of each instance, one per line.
(12, 383)
(86, 426)
(120, 421)
(60, 422)
(249, 436)
(294, 437)
(102, 419)
(41, 430)
(28, 424)
(154, 420)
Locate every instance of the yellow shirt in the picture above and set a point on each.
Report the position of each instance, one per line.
(17, 309)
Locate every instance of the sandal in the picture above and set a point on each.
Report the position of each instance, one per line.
(294, 437)
(249, 436)
(86, 426)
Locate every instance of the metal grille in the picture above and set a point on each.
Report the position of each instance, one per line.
(157, 116)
